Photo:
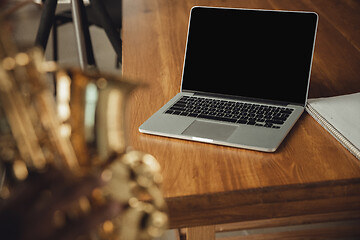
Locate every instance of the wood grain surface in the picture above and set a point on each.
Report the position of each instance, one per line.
(310, 173)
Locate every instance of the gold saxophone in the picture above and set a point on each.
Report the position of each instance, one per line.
(82, 131)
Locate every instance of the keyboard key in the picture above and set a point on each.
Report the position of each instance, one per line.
(193, 114)
(217, 118)
(182, 103)
(274, 122)
(177, 108)
(242, 121)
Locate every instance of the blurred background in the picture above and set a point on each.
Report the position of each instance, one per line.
(24, 23)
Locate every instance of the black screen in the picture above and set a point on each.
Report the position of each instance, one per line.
(250, 53)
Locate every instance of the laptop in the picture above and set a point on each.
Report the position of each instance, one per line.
(245, 78)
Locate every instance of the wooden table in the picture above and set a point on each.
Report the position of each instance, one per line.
(311, 177)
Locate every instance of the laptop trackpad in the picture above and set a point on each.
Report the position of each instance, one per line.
(209, 130)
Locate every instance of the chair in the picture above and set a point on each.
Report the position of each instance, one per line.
(106, 14)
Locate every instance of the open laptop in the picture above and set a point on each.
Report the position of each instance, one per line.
(245, 78)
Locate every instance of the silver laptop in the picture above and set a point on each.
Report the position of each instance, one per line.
(245, 78)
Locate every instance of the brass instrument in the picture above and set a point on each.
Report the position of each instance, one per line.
(82, 132)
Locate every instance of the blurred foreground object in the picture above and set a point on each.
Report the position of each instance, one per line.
(66, 170)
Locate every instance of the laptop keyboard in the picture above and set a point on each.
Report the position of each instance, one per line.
(230, 111)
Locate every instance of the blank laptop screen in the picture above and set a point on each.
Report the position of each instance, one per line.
(250, 53)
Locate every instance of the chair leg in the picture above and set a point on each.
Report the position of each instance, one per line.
(117, 62)
(55, 42)
(46, 21)
(55, 52)
(84, 45)
(112, 33)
